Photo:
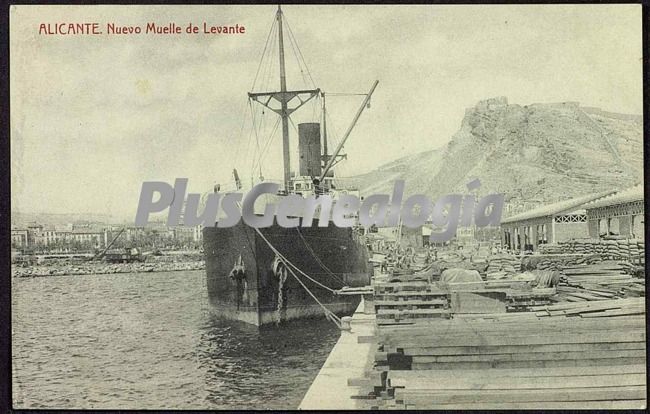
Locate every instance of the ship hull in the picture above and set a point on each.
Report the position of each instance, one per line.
(259, 295)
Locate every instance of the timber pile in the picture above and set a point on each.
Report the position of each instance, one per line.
(512, 361)
(607, 249)
(409, 302)
(597, 282)
(600, 309)
(518, 293)
(632, 269)
(520, 301)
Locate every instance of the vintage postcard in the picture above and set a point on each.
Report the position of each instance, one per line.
(363, 207)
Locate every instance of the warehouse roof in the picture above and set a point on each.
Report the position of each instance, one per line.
(563, 206)
(625, 196)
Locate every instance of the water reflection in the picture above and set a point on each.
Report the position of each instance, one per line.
(274, 364)
(136, 341)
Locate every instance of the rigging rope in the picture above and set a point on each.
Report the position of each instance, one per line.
(241, 133)
(300, 67)
(338, 279)
(341, 167)
(316, 105)
(257, 140)
(266, 44)
(264, 151)
(270, 61)
(345, 94)
(299, 51)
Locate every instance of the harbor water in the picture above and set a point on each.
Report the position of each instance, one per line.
(150, 340)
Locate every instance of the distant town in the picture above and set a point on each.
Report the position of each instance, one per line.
(40, 235)
(89, 236)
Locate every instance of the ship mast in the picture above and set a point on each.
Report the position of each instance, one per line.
(284, 97)
(283, 114)
(325, 155)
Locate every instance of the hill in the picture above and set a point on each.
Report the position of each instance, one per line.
(533, 154)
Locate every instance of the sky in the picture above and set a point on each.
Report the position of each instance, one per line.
(92, 117)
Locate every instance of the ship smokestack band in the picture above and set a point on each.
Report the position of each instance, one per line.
(294, 210)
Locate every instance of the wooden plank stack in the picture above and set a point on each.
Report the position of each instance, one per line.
(587, 351)
(523, 300)
(409, 302)
(604, 308)
(603, 281)
(419, 301)
(511, 361)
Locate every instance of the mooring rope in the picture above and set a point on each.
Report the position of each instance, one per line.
(328, 313)
(289, 264)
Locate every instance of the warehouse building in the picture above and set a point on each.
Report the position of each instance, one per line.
(620, 214)
(549, 223)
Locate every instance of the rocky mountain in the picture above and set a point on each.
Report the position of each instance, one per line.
(534, 154)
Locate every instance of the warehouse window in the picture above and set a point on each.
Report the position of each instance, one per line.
(571, 218)
(602, 227)
(638, 229)
(541, 234)
(613, 227)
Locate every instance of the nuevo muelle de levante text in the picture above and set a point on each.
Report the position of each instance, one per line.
(149, 28)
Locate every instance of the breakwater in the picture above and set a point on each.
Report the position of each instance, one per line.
(93, 268)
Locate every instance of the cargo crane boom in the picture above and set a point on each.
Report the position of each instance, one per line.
(103, 252)
(332, 158)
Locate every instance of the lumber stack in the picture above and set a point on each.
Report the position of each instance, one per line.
(518, 293)
(409, 302)
(511, 361)
(523, 300)
(607, 280)
(637, 270)
(600, 309)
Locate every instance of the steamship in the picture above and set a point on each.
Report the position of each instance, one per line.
(246, 268)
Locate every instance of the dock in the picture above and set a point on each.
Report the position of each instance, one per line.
(350, 358)
(415, 345)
